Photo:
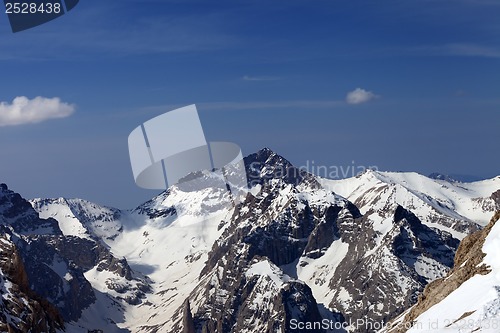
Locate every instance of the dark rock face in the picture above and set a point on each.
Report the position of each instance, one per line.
(291, 301)
(55, 267)
(496, 198)
(27, 310)
(18, 213)
(387, 281)
(47, 268)
(233, 301)
(415, 239)
(187, 319)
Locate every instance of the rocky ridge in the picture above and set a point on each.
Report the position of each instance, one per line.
(469, 261)
(49, 268)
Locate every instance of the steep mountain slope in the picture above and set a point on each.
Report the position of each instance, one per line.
(376, 280)
(292, 252)
(169, 248)
(21, 309)
(52, 270)
(468, 298)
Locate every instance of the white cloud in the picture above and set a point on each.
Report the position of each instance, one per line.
(23, 110)
(358, 96)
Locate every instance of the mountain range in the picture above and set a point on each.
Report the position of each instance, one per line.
(298, 253)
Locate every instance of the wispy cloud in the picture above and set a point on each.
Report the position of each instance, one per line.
(459, 49)
(472, 50)
(359, 96)
(114, 32)
(482, 2)
(256, 105)
(261, 78)
(305, 104)
(23, 110)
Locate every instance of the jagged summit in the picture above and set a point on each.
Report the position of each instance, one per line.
(266, 156)
(266, 165)
(264, 153)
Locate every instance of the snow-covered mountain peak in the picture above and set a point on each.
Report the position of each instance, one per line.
(81, 218)
(267, 166)
(184, 207)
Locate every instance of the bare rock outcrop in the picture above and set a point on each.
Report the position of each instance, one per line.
(21, 309)
(187, 319)
(468, 262)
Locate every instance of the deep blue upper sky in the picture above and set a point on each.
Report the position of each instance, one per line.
(263, 73)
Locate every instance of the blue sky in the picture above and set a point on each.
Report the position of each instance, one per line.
(263, 73)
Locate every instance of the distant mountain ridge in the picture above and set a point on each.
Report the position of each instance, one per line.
(455, 177)
(298, 249)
